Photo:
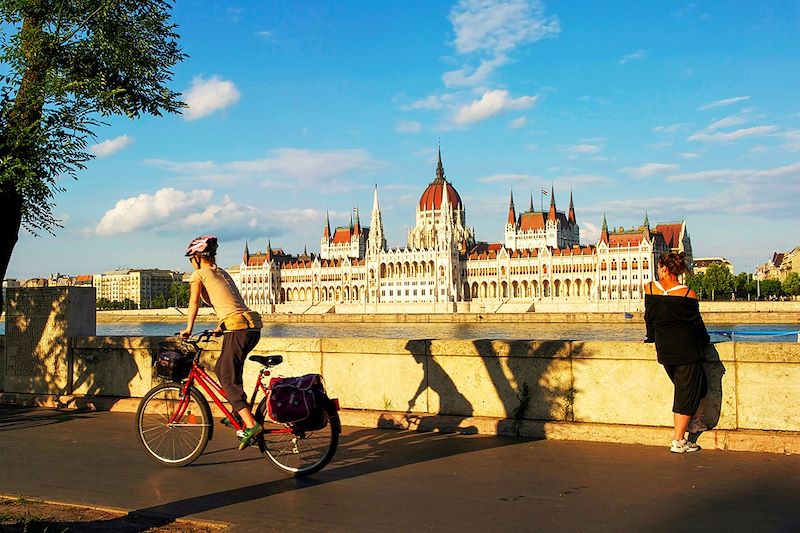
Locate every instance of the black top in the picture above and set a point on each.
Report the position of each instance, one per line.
(675, 325)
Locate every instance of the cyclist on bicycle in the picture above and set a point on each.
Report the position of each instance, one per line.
(240, 327)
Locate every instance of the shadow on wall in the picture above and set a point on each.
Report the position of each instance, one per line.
(107, 366)
(36, 344)
(715, 370)
(533, 380)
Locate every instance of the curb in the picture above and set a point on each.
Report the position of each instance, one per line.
(740, 440)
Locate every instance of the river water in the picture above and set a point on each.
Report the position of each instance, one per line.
(627, 331)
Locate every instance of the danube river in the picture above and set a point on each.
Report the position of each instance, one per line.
(626, 331)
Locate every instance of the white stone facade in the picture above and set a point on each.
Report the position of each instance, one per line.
(443, 268)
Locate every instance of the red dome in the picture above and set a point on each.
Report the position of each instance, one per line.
(431, 199)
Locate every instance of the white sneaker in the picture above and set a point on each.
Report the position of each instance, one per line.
(684, 446)
(696, 425)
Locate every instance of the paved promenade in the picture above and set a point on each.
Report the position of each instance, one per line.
(385, 480)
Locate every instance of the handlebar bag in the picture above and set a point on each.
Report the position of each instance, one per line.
(292, 400)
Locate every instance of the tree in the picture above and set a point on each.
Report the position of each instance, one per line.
(178, 294)
(717, 280)
(66, 64)
(791, 285)
(696, 283)
(740, 284)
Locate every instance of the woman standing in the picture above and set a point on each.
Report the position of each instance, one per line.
(672, 316)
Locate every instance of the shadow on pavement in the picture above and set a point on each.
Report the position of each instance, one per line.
(361, 453)
(16, 418)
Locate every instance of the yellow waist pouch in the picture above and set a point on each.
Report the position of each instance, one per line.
(241, 321)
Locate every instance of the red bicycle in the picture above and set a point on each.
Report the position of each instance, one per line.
(174, 419)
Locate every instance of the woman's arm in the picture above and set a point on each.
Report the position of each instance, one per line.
(195, 288)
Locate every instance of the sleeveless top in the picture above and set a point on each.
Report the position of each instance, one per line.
(666, 292)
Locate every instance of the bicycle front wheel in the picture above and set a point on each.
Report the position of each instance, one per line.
(173, 429)
(298, 454)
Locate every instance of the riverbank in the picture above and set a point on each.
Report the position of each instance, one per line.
(713, 312)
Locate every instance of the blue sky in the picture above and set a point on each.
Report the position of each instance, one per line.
(684, 110)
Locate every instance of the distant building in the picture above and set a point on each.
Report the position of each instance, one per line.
(780, 266)
(443, 268)
(677, 238)
(701, 264)
(9, 283)
(138, 286)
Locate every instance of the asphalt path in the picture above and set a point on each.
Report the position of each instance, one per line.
(385, 480)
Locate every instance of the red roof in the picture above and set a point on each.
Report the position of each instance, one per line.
(532, 221)
(341, 236)
(84, 277)
(671, 233)
(624, 239)
(431, 199)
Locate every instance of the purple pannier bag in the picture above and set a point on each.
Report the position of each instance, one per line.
(292, 399)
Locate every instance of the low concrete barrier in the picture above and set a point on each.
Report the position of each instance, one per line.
(611, 391)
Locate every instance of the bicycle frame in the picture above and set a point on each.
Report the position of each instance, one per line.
(215, 392)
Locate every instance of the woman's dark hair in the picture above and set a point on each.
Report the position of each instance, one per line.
(675, 263)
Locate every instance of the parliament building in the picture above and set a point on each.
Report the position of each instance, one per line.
(541, 264)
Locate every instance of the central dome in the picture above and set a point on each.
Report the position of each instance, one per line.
(431, 199)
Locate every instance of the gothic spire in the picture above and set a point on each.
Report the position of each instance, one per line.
(551, 215)
(512, 215)
(246, 255)
(530, 206)
(326, 233)
(604, 231)
(571, 214)
(439, 167)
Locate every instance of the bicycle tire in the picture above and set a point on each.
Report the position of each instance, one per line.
(177, 444)
(298, 455)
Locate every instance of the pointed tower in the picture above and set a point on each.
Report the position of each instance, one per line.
(571, 214)
(512, 214)
(357, 227)
(377, 241)
(326, 233)
(551, 215)
(604, 231)
(439, 167)
(530, 206)
(646, 227)
(269, 249)
(246, 255)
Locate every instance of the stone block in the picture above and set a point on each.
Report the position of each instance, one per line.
(500, 348)
(113, 369)
(365, 378)
(621, 391)
(768, 396)
(39, 324)
(768, 352)
(617, 350)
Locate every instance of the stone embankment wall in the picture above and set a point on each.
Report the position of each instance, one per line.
(607, 391)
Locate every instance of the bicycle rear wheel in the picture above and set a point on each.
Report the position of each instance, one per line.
(298, 454)
(183, 440)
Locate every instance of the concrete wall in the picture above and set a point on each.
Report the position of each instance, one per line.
(753, 385)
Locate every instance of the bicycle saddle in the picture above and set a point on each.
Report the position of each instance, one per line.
(267, 360)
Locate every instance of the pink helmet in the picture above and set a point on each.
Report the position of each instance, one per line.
(205, 245)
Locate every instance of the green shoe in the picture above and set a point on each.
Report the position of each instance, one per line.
(249, 434)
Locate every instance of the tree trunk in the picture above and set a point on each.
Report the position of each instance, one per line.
(10, 222)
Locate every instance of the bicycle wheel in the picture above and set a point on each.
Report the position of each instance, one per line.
(298, 454)
(182, 441)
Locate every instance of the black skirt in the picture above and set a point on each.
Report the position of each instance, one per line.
(691, 386)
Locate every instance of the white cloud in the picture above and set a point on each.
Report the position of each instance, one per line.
(590, 233)
(727, 136)
(429, 102)
(490, 104)
(638, 55)
(732, 120)
(689, 155)
(509, 178)
(672, 128)
(723, 103)
(495, 26)
(649, 169)
(518, 123)
(792, 138)
(207, 96)
(470, 77)
(267, 35)
(111, 146)
(308, 168)
(586, 179)
(408, 126)
(740, 175)
(584, 148)
(148, 211)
